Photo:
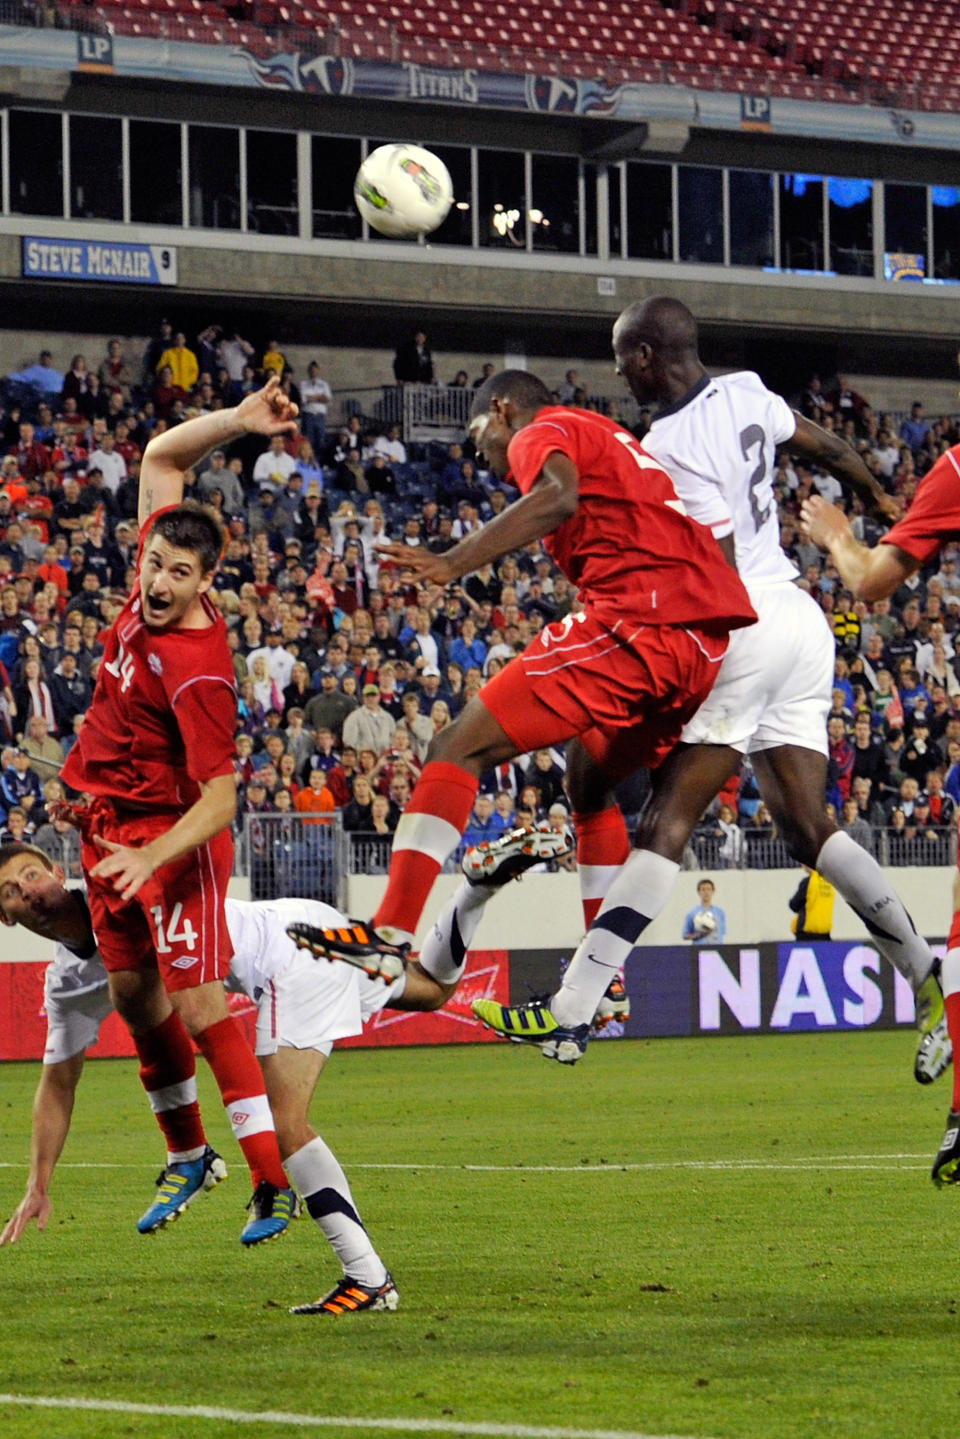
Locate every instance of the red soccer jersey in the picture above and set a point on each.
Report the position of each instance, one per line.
(934, 517)
(163, 715)
(635, 556)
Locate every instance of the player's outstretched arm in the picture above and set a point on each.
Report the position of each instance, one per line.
(212, 812)
(868, 574)
(52, 1111)
(832, 453)
(550, 501)
(165, 460)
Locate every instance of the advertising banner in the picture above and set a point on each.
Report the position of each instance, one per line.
(103, 261)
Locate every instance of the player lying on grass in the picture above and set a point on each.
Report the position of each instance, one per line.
(933, 520)
(302, 1008)
(717, 439)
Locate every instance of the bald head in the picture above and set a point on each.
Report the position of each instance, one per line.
(655, 349)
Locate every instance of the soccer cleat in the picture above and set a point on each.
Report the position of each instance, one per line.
(946, 1165)
(273, 1210)
(179, 1185)
(350, 1296)
(356, 944)
(934, 1048)
(495, 861)
(533, 1024)
(614, 1004)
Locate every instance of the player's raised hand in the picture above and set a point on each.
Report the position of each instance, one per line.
(268, 411)
(889, 508)
(128, 868)
(822, 522)
(425, 566)
(32, 1206)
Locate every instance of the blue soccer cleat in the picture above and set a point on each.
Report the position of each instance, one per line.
(179, 1185)
(272, 1210)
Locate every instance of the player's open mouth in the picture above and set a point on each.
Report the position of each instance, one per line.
(157, 604)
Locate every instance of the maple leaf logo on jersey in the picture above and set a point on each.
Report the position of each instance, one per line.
(155, 663)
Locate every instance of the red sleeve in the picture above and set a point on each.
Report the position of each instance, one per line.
(528, 450)
(934, 516)
(206, 711)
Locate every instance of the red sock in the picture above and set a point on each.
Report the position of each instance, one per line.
(951, 1004)
(239, 1076)
(168, 1072)
(429, 830)
(602, 847)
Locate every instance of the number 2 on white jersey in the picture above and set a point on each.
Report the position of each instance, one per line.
(754, 435)
(168, 935)
(647, 462)
(122, 667)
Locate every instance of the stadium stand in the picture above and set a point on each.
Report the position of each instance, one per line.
(835, 50)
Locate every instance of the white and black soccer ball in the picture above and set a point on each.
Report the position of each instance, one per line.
(403, 191)
(705, 922)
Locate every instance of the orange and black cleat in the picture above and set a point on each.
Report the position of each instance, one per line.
(357, 944)
(350, 1296)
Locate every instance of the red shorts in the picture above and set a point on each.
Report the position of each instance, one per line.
(628, 703)
(176, 921)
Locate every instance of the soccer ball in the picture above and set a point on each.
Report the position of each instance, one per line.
(403, 191)
(705, 923)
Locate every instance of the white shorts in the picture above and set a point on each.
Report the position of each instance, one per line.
(776, 681)
(312, 1002)
(73, 1019)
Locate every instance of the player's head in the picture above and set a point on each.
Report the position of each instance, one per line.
(504, 404)
(179, 562)
(32, 892)
(706, 891)
(654, 340)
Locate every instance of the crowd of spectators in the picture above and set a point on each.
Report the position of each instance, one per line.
(345, 668)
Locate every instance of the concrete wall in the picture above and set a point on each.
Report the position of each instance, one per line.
(544, 910)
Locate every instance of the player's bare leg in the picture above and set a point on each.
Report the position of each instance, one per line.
(792, 780)
(291, 1076)
(946, 1164)
(169, 1076)
(603, 843)
(220, 1040)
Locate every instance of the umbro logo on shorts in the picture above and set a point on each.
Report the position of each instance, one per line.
(239, 1117)
(184, 962)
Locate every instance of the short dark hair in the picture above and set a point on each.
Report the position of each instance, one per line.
(191, 526)
(526, 391)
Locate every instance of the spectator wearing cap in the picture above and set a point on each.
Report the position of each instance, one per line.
(287, 507)
(279, 661)
(331, 707)
(370, 726)
(20, 784)
(429, 688)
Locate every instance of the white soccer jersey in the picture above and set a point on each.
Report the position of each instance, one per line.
(718, 447)
(302, 1001)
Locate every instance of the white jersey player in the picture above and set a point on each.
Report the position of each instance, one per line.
(303, 1007)
(717, 438)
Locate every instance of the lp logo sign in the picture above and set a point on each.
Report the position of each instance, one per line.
(755, 112)
(94, 52)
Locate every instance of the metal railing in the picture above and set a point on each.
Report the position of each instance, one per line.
(286, 855)
(293, 855)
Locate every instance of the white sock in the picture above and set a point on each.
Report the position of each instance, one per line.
(864, 886)
(950, 972)
(444, 952)
(636, 897)
(316, 1172)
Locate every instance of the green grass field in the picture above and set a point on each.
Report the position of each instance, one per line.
(730, 1237)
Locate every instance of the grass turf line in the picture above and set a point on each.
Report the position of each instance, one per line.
(783, 1303)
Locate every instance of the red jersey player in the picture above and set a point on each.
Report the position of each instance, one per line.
(625, 674)
(933, 520)
(155, 755)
